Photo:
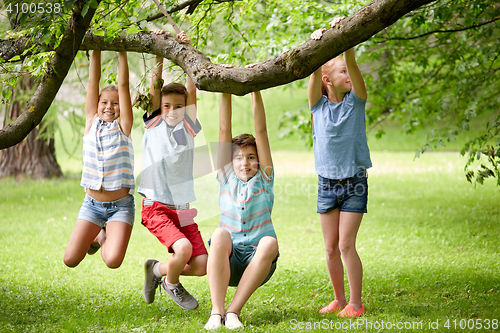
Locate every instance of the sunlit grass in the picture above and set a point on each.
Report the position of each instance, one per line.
(429, 245)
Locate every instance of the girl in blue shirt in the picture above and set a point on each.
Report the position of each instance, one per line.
(337, 98)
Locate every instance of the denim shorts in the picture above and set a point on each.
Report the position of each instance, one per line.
(240, 259)
(349, 195)
(100, 213)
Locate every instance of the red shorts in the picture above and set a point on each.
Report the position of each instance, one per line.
(169, 225)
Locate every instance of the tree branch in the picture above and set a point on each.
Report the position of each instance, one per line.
(427, 8)
(440, 31)
(292, 65)
(192, 4)
(302, 60)
(50, 83)
(295, 64)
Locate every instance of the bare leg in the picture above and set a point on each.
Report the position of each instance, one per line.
(115, 245)
(99, 239)
(255, 273)
(83, 235)
(218, 271)
(348, 230)
(330, 228)
(197, 266)
(175, 265)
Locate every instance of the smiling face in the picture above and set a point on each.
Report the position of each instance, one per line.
(173, 108)
(108, 107)
(245, 162)
(335, 74)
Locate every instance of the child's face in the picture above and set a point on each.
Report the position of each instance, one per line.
(108, 107)
(173, 108)
(245, 162)
(337, 74)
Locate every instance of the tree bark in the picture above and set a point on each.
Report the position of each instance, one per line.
(295, 64)
(51, 81)
(31, 157)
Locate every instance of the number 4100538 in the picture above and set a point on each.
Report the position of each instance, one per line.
(33, 8)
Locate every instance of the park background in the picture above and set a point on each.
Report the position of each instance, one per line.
(429, 243)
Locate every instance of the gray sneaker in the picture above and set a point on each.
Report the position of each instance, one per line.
(181, 296)
(150, 282)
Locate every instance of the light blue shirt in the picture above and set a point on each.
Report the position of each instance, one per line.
(245, 207)
(339, 137)
(167, 160)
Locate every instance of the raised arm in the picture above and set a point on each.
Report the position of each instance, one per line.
(314, 88)
(191, 99)
(126, 116)
(156, 78)
(93, 89)
(156, 83)
(190, 87)
(358, 83)
(261, 138)
(315, 82)
(225, 133)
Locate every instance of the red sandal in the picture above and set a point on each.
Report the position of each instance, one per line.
(332, 307)
(349, 312)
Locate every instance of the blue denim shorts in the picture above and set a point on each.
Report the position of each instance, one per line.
(349, 195)
(100, 213)
(239, 260)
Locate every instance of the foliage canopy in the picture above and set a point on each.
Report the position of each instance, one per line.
(438, 65)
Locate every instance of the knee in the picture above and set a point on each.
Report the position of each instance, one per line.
(183, 249)
(221, 234)
(113, 262)
(71, 262)
(72, 259)
(346, 247)
(268, 247)
(201, 265)
(332, 252)
(221, 239)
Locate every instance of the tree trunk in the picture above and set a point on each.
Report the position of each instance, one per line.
(32, 157)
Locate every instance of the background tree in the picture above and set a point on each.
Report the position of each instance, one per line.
(422, 65)
(437, 68)
(35, 156)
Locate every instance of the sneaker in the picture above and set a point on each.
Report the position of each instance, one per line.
(349, 312)
(181, 296)
(150, 282)
(332, 307)
(233, 321)
(214, 322)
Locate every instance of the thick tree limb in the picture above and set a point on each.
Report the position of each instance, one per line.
(51, 81)
(298, 62)
(292, 65)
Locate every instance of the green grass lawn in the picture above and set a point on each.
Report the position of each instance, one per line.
(429, 245)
